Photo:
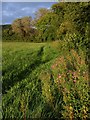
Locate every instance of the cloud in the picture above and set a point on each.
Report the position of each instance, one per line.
(48, 8)
(25, 9)
(6, 13)
(12, 11)
(34, 11)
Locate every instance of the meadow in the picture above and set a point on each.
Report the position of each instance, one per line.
(44, 80)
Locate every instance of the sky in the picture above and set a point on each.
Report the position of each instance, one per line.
(14, 10)
(29, 0)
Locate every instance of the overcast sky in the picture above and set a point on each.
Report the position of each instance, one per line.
(13, 10)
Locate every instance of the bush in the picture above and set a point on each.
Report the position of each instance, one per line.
(68, 76)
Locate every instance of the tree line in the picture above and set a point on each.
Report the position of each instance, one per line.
(61, 22)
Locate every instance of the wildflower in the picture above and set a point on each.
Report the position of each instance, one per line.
(75, 75)
(70, 71)
(64, 90)
(74, 81)
(83, 72)
(52, 66)
(56, 64)
(59, 76)
(71, 107)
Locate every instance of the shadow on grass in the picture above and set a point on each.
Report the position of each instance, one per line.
(7, 83)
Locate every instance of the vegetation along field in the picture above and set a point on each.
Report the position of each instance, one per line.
(40, 80)
(45, 69)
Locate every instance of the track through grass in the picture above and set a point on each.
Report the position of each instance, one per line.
(39, 81)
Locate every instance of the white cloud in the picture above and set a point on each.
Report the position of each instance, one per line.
(11, 11)
(33, 11)
(29, 10)
(25, 9)
(48, 8)
(6, 13)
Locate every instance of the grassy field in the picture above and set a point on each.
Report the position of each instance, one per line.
(42, 80)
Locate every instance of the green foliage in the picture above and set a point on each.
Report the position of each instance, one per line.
(67, 27)
(50, 25)
(58, 8)
(40, 13)
(47, 26)
(70, 74)
(21, 67)
(48, 80)
(9, 35)
(44, 80)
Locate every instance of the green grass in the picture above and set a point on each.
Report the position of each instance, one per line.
(30, 72)
(22, 64)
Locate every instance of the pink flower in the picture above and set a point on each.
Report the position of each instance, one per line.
(59, 76)
(74, 81)
(52, 66)
(74, 73)
(56, 64)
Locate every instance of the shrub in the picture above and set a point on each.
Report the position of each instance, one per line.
(71, 76)
(68, 76)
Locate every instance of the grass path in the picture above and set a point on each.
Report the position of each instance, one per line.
(37, 80)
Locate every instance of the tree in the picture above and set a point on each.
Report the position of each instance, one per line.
(41, 12)
(47, 27)
(17, 27)
(22, 26)
(26, 24)
(73, 16)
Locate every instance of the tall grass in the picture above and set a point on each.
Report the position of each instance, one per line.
(44, 80)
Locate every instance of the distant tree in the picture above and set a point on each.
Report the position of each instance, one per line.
(22, 26)
(55, 23)
(17, 27)
(26, 24)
